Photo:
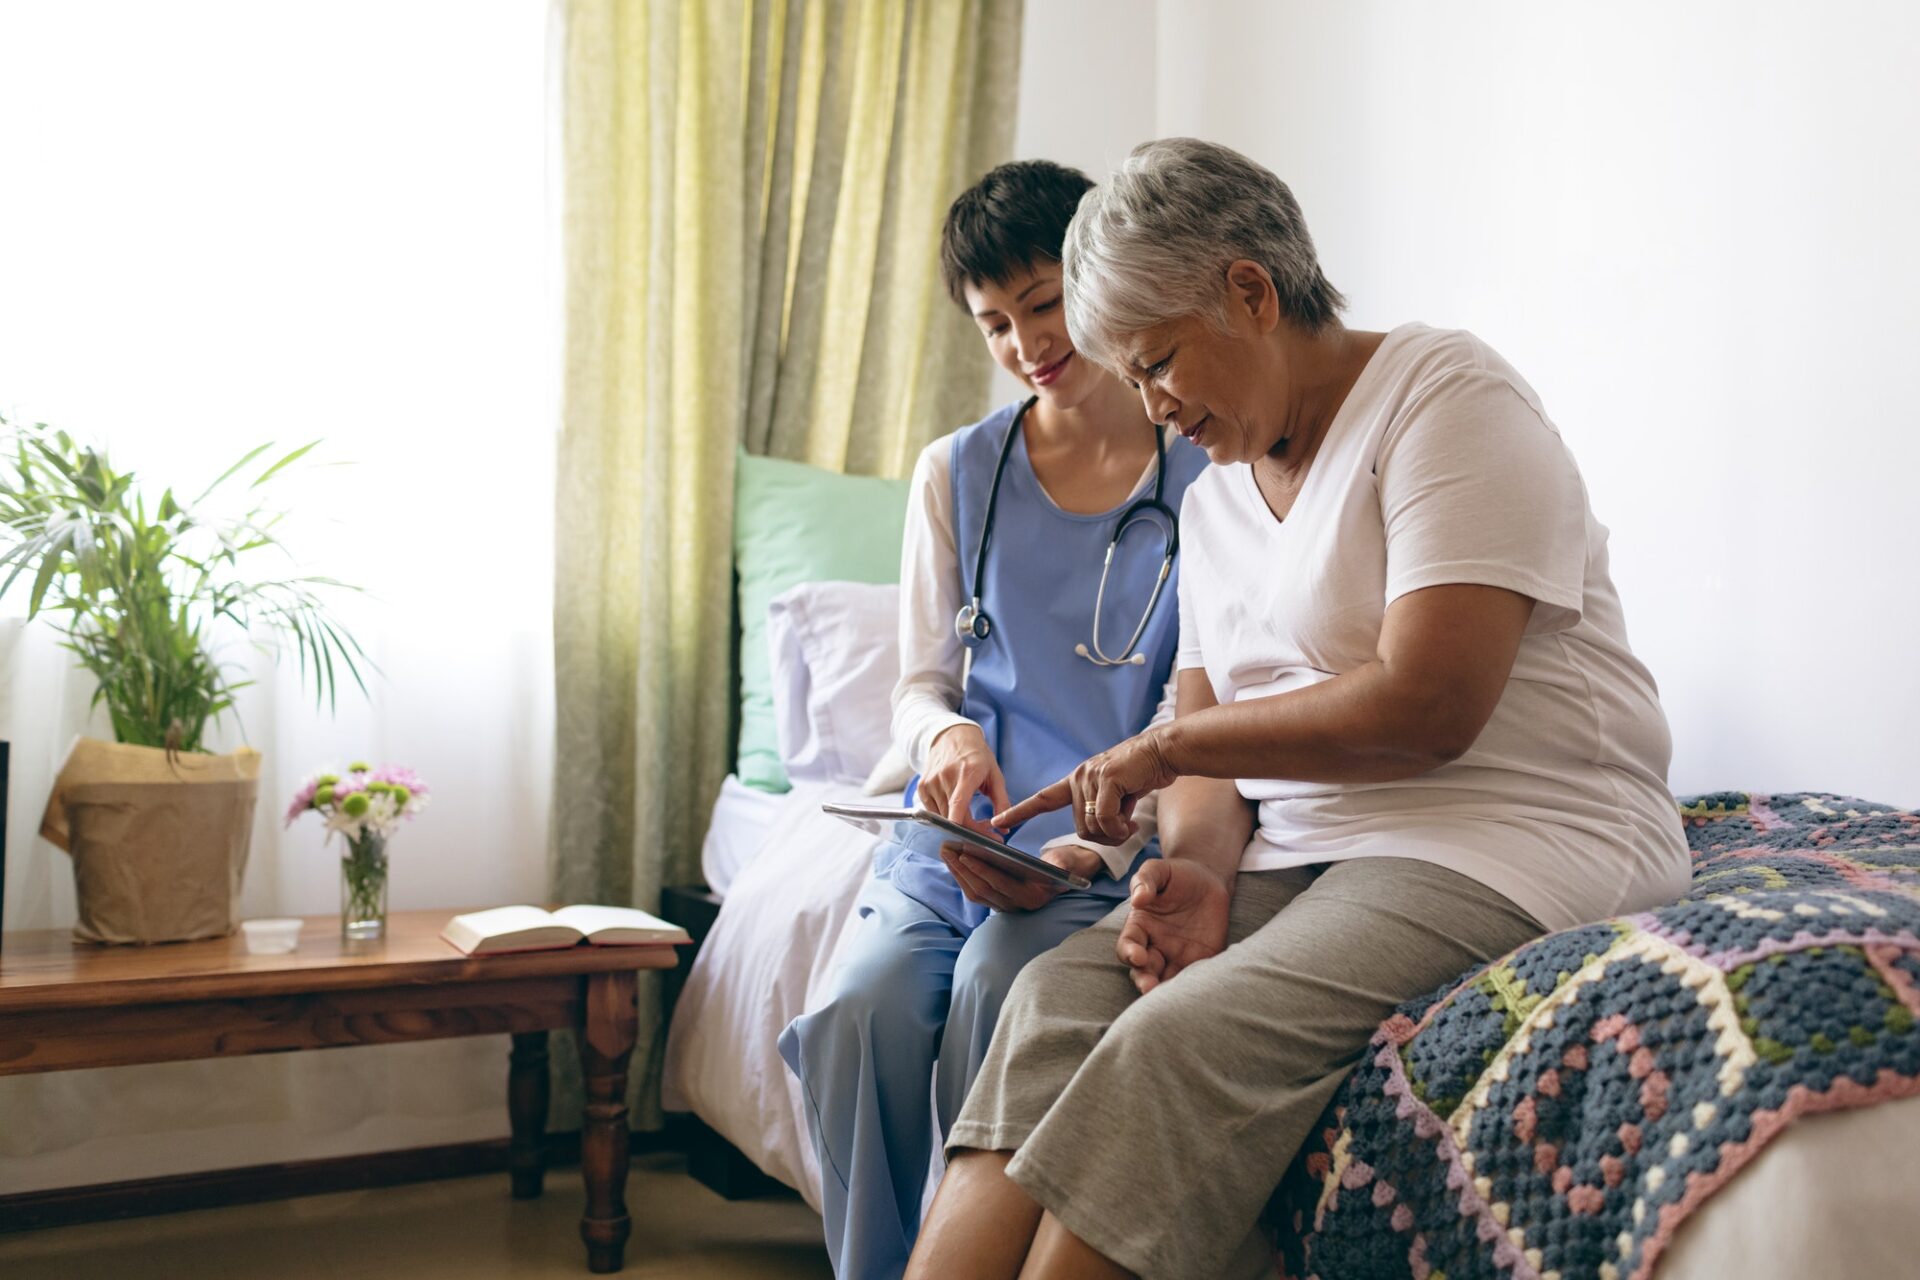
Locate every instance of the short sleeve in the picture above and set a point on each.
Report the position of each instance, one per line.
(1477, 487)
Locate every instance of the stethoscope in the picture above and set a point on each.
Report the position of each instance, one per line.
(974, 624)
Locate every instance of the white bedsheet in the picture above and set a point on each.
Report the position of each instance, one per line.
(783, 921)
(742, 817)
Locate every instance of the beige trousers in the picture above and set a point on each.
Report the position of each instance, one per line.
(1156, 1127)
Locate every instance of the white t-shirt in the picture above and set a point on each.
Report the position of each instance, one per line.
(1441, 467)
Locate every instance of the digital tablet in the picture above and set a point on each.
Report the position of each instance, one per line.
(881, 821)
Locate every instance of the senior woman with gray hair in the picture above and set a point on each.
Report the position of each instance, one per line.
(1410, 736)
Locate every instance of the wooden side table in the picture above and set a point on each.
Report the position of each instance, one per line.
(66, 1004)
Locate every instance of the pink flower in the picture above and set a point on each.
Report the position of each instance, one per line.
(401, 776)
(382, 782)
(302, 799)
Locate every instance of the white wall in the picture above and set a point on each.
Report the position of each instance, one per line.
(1087, 86)
(1087, 92)
(1692, 227)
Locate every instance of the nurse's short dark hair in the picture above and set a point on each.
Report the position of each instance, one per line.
(1012, 220)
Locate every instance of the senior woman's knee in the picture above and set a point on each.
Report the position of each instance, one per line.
(1033, 992)
(1173, 1019)
(1200, 1009)
(1073, 991)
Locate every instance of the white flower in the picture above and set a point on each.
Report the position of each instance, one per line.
(383, 813)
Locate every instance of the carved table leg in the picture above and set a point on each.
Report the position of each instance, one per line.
(606, 1043)
(527, 1088)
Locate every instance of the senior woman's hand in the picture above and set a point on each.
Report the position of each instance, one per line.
(1178, 918)
(1103, 790)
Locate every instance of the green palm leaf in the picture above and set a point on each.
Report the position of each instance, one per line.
(140, 590)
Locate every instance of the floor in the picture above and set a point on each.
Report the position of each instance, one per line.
(464, 1228)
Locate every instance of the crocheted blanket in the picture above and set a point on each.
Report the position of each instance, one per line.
(1561, 1112)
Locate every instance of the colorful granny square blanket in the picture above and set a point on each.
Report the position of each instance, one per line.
(1560, 1113)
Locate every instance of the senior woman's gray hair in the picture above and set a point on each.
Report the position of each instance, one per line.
(1152, 244)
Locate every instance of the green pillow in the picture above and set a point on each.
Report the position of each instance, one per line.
(793, 523)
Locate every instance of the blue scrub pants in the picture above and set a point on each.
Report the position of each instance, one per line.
(912, 1004)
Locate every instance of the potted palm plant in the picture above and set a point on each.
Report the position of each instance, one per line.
(146, 593)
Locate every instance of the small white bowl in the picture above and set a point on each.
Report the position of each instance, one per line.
(271, 937)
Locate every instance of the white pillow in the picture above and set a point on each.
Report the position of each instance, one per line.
(835, 650)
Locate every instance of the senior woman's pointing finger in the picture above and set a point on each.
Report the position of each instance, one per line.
(1103, 791)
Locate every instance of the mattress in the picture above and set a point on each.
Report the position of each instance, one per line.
(1832, 1196)
(742, 817)
(784, 919)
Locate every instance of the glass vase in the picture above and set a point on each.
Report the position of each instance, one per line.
(363, 888)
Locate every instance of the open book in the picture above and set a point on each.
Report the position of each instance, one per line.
(480, 933)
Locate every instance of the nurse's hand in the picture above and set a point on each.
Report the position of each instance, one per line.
(989, 886)
(1102, 790)
(960, 765)
(1177, 917)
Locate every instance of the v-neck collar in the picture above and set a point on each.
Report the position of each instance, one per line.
(1337, 428)
(1143, 485)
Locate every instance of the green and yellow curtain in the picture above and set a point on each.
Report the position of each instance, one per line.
(754, 190)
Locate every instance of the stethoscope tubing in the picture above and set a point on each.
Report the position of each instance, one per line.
(973, 624)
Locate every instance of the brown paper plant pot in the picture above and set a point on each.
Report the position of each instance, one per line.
(159, 861)
(159, 841)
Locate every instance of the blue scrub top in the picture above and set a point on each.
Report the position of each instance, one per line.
(1042, 707)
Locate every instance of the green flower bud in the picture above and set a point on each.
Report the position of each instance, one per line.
(359, 766)
(355, 805)
(324, 796)
(327, 779)
(400, 795)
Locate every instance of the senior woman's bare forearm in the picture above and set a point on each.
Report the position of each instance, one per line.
(1351, 729)
(1203, 819)
(1206, 820)
(1445, 656)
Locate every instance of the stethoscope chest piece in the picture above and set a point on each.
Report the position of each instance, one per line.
(973, 625)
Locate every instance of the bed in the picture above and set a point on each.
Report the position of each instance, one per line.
(1726, 1085)
(1843, 1160)
(1443, 1154)
(787, 907)
(742, 817)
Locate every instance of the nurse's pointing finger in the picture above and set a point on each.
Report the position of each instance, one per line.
(1045, 800)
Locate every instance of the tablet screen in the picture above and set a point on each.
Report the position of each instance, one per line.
(887, 823)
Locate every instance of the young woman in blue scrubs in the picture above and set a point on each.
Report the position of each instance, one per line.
(1005, 687)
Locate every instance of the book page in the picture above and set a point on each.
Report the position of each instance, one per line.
(619, 924)
(501, 920)
(507, 929)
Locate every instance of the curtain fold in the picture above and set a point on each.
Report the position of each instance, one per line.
(754, 191)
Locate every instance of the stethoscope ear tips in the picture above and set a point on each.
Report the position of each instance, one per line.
(1137, 660)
